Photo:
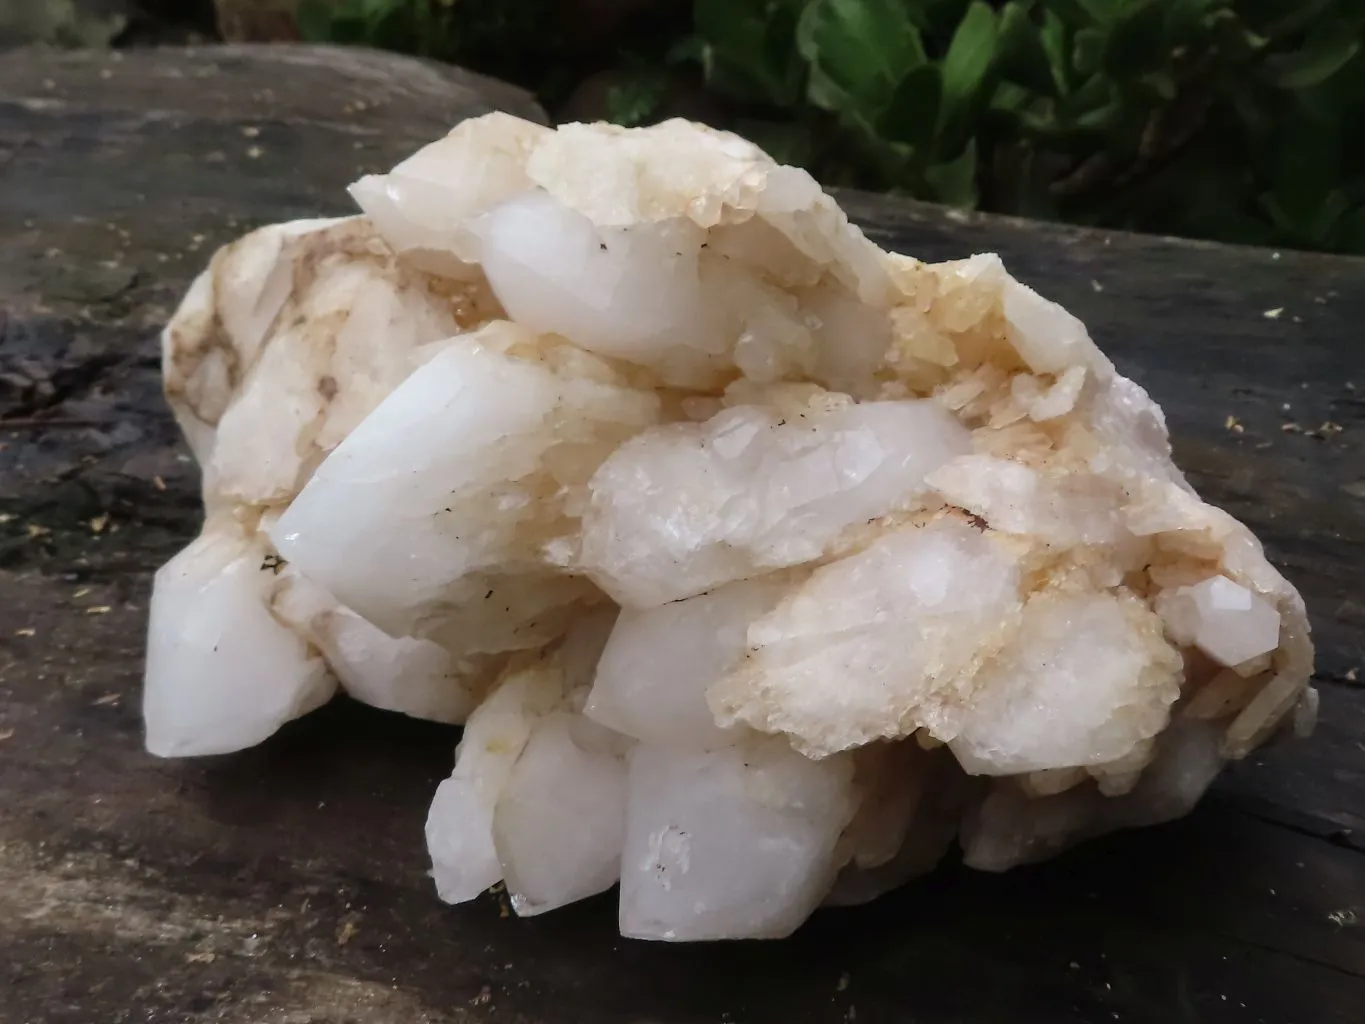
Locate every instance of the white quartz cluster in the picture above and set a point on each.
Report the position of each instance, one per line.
(760, 565)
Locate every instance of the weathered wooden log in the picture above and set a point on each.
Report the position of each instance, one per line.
(288, 883)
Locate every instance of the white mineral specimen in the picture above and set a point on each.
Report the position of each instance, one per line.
(659, 663)
(449, 536)
(1226, 621)
(738, 842)
(222, 672)
(760, 564)
(680, 509)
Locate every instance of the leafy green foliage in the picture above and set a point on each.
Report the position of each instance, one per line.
(1236, 120)
(513, 39)
(745, 47)
(634, 98)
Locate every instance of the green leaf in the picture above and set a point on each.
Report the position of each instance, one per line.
(912, 115)
(1136, 42)
(1087, 51)
(1326, 52)
(1053, 36)
(1186, 19)
(1072, 13)
(954, 182)
(747, 81)
(1096, 107)
(633, 100)
(968, 66)
(350, 21)
(825, 93)
(1095, 91)
(1023, 57)
(861, 49)
(922, 13)
(1011, 97)
(1348, 84)
(686, 49)
(747, 48)
(730, 25)
(1104, 118)
(1102, 10)
(379, 12)
(1161, 84)
(1280, 18)
(1040, 116)
(1232, 37)
(314, 20)
(784, 141)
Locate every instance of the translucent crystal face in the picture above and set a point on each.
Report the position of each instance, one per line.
(1226, 621)
(680, 509)
(734, 842)
(652, 680)
(760, 565)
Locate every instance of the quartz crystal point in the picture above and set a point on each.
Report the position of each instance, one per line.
(761, 565)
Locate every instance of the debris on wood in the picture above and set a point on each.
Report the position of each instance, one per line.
(346, 932)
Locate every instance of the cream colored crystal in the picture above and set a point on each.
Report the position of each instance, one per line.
(1223, 619)
(762, 563)
(222, 672)
(683, 508)
(659, 663)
